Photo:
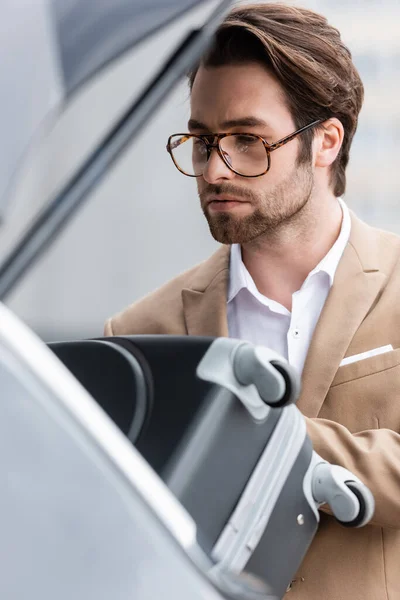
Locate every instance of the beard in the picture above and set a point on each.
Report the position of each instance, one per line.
(273, 209)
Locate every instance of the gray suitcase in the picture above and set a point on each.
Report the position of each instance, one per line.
(223, 432)
(246, 470)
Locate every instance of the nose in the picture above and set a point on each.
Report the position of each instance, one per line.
(216, 169)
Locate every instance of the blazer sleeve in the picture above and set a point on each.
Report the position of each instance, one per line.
(374, 456)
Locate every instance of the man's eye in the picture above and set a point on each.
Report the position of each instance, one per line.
(243, 142)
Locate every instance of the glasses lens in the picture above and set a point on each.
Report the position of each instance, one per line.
(245, 154)
(189, 153)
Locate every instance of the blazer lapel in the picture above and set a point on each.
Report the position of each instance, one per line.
(356, 285)
(204, 302)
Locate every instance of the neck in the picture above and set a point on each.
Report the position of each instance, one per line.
(280, 261)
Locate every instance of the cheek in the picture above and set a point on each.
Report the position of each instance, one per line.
(201, 184)
(283, 160)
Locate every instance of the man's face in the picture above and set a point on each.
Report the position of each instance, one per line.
(246, 98)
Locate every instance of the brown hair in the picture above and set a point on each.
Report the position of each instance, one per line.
(309, 59)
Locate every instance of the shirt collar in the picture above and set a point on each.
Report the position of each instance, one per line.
(240, 278)
(238, 274)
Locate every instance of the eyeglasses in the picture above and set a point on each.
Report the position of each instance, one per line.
(246, 154)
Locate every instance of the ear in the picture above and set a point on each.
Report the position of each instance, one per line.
(328, 141)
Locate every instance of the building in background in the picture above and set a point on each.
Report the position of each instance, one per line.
(370, 29)
(143, 225)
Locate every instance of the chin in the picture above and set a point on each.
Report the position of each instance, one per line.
(229, 235)
(227, 229)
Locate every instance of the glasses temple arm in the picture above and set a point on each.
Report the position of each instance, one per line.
(290, 137)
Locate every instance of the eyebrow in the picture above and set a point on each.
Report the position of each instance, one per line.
(242, 122)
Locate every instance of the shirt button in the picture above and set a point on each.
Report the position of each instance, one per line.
(296, 333)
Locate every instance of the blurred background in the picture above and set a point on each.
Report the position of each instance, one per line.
(143, 225)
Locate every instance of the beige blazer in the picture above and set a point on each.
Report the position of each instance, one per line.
(352, 411)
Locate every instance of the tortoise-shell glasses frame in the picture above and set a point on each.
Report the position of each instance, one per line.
(212, 140)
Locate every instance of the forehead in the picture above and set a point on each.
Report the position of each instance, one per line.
(232, 92)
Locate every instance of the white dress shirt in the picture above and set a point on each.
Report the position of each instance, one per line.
(255, 318)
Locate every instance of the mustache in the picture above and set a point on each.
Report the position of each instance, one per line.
(227, 188)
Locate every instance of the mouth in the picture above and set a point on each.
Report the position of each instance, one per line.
(224, 203)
